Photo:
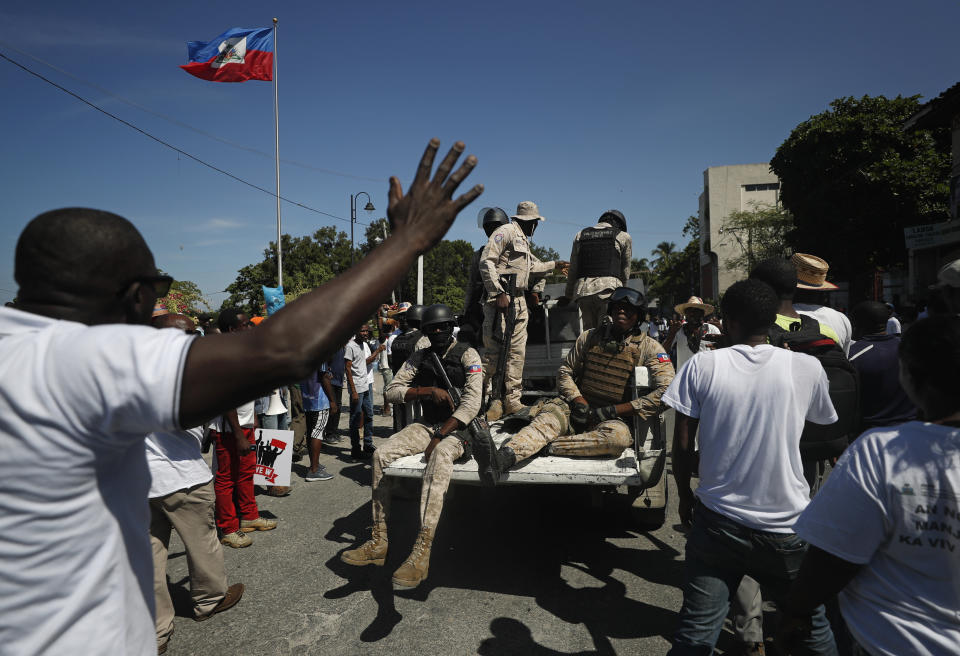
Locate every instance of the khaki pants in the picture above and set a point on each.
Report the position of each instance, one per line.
(494, 324)
(551, 426)
(436, 477)
(191, 513)
(593, 308)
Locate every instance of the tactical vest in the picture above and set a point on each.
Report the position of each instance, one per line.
(403, 347)
(427, 376)
(598, 255)
(606, 374)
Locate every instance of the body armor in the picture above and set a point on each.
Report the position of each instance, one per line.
(598, 256)
(427, 377)
(606, 371)
(403, 347)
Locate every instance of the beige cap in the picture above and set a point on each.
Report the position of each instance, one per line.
(811, 272)
(694, 302)
(949, 275)
(527, 210)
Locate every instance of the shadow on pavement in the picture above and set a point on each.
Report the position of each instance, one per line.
(515, 541)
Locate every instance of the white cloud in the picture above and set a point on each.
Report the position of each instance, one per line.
(215, 224)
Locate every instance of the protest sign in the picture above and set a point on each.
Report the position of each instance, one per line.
(274, 456)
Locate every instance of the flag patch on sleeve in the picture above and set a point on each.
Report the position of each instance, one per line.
(474, 369)
(663, 357)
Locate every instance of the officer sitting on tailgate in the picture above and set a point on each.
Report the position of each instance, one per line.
(437, 435)
(410, 338)
(599, 263)
(594, 382)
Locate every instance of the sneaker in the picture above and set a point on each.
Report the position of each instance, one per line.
(319, 474)
(332, 438)
(258, 524)
(368, 449)
(237, 540)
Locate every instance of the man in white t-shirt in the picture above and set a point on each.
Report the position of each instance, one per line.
(359, 368)
(688, 336)
(182, 498)
(750, 401)
(893, 323)
(884, 529)
(79, 392)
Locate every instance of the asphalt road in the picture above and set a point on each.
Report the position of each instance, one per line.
(515, 570)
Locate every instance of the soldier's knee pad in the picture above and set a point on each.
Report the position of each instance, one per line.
(560, 410)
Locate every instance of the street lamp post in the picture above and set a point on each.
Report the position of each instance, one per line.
(353, 216)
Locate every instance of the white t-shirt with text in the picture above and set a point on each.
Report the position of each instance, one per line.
(891, 505)
(76, 402)
(752, 403)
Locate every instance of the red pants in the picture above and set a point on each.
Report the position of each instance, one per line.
(233, 482)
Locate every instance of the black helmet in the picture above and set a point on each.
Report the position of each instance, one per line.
(413, 315)
(438, 313)
(615, 218)
(628, 295)
(491, 218)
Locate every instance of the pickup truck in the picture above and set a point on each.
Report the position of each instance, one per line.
(635, 481)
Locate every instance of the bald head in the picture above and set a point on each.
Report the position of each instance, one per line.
(81, 252)
(179, 321)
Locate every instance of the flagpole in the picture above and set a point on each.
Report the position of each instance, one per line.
(276, 150)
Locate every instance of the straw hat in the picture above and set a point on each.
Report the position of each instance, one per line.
(811, 272)
(527, 211)
(694, 302)
(400, 309)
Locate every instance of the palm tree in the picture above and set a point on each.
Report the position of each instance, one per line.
(640, 269)
(662, 254)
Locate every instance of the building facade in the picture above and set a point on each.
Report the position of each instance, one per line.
(728, 189)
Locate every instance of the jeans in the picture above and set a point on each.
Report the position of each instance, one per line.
(719, 553)
(361, 412)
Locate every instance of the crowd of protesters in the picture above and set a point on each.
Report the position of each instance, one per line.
(873, 524)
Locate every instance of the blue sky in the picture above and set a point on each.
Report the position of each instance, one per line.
(578, 106)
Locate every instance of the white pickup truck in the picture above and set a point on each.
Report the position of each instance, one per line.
(636, 480)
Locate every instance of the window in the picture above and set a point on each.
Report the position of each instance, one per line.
(766, 186)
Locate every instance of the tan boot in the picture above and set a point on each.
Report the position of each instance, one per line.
(513, 407)
(415, 567)
(495, 411)
(371, 552)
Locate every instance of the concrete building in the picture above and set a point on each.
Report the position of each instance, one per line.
(728, 189)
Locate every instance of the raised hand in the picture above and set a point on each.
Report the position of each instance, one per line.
(426, 211)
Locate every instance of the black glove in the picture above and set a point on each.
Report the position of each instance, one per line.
(602, 414)
(579, 417)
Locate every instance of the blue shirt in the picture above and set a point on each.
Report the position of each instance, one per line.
(314, 399)
(882, 400)
(336, 367)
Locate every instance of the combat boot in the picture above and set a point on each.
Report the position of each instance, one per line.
(371, 552)
(415, 567)
(506, 458)
(512, 408)
(495, 411)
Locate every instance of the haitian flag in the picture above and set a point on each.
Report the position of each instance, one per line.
(237, 55)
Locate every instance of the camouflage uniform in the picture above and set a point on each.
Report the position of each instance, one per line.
(508, 252)
(608, 438)
(591, 293)
(414, 439)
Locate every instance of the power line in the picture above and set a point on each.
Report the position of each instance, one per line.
(171, 146)
(183, 125)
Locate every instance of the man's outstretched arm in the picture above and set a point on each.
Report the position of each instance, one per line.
(223, 371)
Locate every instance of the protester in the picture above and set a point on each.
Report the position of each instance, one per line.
(316, 407)
(811, 296)
(750, 402)
(437, 434)
(590, 416)
(182, 498)
(507, 256)
(388, 332)
(694, 330)
(893, 323)
(336, 365)
(883, 529)
(359, 366)
(234, 439)
(75, 564)
(883, 401)
(599, 263)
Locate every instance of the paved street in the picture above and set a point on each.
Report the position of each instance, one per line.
(515, 570)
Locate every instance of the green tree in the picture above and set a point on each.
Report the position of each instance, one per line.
(761, 232)
(184, 297)
(663, 254)
(675, 275)
(546, 254)
(853, 179)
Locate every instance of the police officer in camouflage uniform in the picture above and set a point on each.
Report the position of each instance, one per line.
(410, 338)
(507, 253)
(599, 263)
(439, 434)
(594, 384)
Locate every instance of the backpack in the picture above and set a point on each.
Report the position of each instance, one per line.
(819, 442)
